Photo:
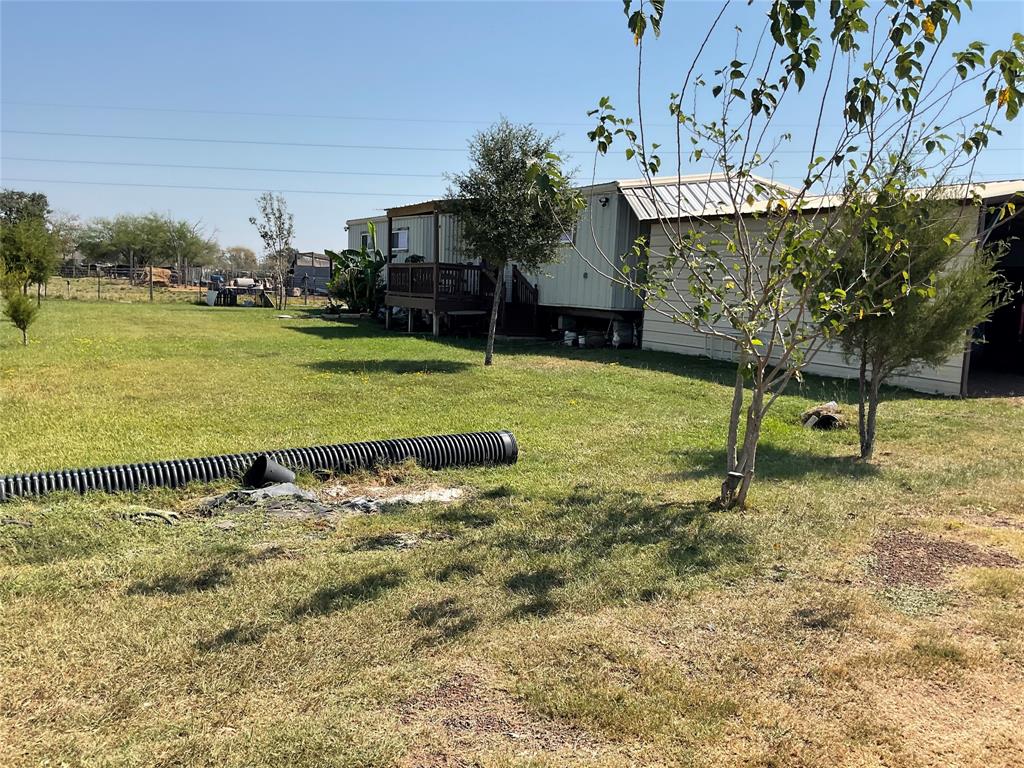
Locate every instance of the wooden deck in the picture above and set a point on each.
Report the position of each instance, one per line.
(439, 287)
(461, 289)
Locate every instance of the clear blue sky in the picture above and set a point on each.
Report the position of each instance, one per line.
(424, 74)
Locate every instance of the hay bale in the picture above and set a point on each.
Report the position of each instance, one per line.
(161, 276)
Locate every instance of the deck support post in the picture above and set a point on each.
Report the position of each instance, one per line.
(437, 323)
(408, 313)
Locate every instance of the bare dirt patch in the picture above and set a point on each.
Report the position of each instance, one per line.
(472, 716)
(909, 558)
(372, 496)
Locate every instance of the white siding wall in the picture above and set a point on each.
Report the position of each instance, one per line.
(421, 236)
(604, 233)
(357, 228)
(660, 333)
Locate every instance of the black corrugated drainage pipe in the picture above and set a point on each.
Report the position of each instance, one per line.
(432, 452)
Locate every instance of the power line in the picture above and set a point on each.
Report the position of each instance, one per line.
(298, 115)
(359, 118)
(423, 196)
(126, 164)
(191, 139)
(221, 189)
(198, 140)
(221, 167)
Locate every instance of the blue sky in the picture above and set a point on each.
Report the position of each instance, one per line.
(423, 75)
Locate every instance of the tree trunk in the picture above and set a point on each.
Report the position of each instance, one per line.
(738, 481)
(151, 282)
(24, 336)
(492, 325)
(39, 294)
(751, 437)
(868, 449)
(862, 393)
(734, 418)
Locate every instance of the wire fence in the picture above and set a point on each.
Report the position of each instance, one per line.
(120, 282)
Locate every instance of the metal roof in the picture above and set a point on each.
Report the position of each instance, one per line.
(988, 191)
(701, 195)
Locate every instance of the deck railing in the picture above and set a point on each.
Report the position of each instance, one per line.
(440, 281)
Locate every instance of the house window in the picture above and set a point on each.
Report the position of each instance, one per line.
(400, 239)
(366, 241)
(568, 238)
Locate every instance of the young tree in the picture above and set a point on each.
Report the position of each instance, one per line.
(29, 250)
(506, 212)
(17, 307)
(275, 226)
(755, 266)
(928, 326)
(27, 245)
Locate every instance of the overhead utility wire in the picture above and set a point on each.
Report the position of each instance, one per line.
(127, 164)
(321, 116)
(389, 147)
(221, 167)
(422, 196)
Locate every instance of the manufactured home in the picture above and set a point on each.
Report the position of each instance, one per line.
(429, 273)
(992, 361)
(428, 270)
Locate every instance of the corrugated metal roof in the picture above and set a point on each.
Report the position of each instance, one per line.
(704, 195)
(988, 191)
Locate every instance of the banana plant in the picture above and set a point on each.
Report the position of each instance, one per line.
(359, 276)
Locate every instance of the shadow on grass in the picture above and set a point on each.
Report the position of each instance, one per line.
(339, 330)
(322, 602)
(608, 546)
(239, 635)
(456, 570)
(203, 580)
(187, 579)
(813, 387)
(445, 619)
(389, 366)
(343, 596)
(467, 515)
(536, 585)
(773, 463)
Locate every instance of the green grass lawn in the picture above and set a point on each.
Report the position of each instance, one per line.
(587, 606)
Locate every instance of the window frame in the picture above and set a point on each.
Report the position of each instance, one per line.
(396, 235)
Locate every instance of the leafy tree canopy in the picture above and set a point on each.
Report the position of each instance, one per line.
(505, 214)
(16, 206)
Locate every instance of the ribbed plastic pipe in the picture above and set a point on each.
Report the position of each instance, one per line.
(432, 452)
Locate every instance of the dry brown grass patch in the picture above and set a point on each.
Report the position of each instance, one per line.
(975, 721)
